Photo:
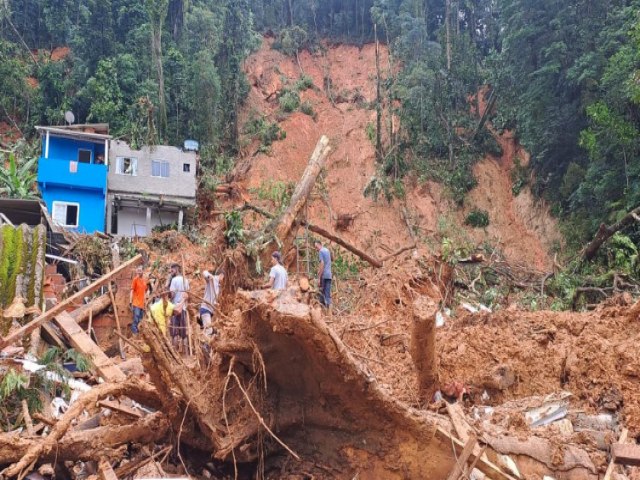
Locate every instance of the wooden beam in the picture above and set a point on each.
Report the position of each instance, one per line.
(489, 469)
(91, 309)
(461, 461)
(105, 471)
(62, 306)
(612, 463)
(79, 340)
(115, 314)
(343, 243)
(118, 407)
(626, 454)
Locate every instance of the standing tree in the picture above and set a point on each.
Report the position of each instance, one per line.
(157, 11)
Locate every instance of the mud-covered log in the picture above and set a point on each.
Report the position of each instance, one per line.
(310, 391)
(423, 346)
(88, 444)
(133, 388)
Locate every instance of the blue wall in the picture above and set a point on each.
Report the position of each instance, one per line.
(67, 149)
(87, 186)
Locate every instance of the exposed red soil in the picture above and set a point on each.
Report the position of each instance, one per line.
(520, 227)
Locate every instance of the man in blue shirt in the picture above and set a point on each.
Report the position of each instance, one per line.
(324, 274)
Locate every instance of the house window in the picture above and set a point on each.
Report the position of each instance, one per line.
(159, 168)
(66, 214)
(186, 167)
(84, 156)
(127, 166)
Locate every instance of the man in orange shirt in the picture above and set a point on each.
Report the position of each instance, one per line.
(137, 298)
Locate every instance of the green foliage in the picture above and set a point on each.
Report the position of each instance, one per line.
(519, 177)
(55, 355)
(19, 178)
(277, 192)
(292, 40)
(305, 82)
(382, 185)
(370, 130)
(267, 132)
(477, 218)
(621, 254)
(289, 100)
(234, 232)
(345, 267)
(13, 384)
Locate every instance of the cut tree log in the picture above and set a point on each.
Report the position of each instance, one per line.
(315, 385)
(605, 232)
(62, 306)
(91, 309)
(282, 225)
(423, 346)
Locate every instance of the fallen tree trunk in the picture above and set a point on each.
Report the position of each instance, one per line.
(284, 383)
(343, 243)
(283, 224)
(423, 346)
(133, 388)
(93, 308)
(90, 444)
(605, 232)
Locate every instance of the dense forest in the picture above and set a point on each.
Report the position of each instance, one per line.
(564, 75)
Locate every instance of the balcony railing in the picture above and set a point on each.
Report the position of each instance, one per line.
(71, 173)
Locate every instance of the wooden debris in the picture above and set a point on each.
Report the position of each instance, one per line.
(423, 346)
(118, 407)
(343, 243)
(626, 454)
(83, 343)
(27, 418)
(605, 232)
(461, 462)
(132, 467)
(62, 306)
(612, 464)
(91, 309)
(115, 313)
(105, 471)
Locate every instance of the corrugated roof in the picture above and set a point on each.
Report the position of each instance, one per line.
(70, 133)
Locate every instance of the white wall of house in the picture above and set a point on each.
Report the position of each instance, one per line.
(132, 221)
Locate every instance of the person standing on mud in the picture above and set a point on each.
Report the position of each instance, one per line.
(137, 298)
(161, 311)
(211, 293)
(278, 277)
(324, 273)
(178, 287)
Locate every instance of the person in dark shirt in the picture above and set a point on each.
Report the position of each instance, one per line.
(324, 274)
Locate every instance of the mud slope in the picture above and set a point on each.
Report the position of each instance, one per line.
(525, 232)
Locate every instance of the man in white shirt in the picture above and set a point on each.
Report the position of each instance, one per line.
(178, 287)
(278, 277)
(211, 293)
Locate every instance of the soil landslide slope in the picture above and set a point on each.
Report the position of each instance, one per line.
(342, 95)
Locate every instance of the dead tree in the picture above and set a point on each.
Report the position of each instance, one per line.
(605, 232)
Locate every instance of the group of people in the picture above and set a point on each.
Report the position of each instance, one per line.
(169, 309)
(278, 277)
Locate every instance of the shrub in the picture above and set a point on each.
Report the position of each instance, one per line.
(289, 101)
(305, 82)
(477, 218)
(307, 109)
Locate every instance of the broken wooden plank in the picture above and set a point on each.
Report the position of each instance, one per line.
(132, 467)
(83, 343)
(626, 454)
(105, 471)
(50, 336)
(115, 313)
(27, 418)
(612, 464)
(118, 407)
(62, 306)
(485, 466)
(461, 461)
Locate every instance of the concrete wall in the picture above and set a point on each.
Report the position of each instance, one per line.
(128, 217)
(178, 184)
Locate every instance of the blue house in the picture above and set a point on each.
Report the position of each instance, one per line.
(72, 175)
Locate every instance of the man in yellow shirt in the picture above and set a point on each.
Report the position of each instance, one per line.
(161, 312)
